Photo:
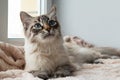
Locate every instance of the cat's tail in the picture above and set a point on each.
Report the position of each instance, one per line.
(107, 51)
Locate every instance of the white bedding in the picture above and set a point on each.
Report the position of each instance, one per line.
(110, 70)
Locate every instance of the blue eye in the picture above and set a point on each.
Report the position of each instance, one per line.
(37, 26)
(52, 23)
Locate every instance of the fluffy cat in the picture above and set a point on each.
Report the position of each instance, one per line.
(45, 55)
(81, 51)
(11, 57)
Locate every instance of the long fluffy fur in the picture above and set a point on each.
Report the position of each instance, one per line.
(81, 51)
(45, 56)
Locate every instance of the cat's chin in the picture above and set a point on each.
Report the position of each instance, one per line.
(48, 36)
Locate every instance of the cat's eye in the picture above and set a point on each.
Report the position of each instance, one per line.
(37, 26)
(52, 23)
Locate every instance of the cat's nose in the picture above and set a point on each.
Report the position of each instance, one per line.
(47, 27)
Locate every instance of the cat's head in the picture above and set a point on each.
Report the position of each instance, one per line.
(41, 28)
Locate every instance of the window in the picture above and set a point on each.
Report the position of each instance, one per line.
(33, 7)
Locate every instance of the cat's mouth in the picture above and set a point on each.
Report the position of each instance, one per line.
(48, 35)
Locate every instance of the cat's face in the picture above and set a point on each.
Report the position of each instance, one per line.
(41, 28)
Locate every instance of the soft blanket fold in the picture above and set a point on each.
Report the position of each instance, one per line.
(11, 56)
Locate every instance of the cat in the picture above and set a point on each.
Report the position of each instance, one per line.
(45, 55)
(81, 51)
(11, 57)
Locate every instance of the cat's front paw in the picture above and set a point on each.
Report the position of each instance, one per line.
(37, 73)
(98, 61)
(62, 74)
(63, 71)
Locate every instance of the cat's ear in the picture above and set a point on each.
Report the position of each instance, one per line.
(25, 18)
(52, 13)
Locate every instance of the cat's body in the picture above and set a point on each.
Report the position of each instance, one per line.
(79, 54)
(82, 52)
(45, 55)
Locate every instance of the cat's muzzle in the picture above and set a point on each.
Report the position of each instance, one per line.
(48, 35)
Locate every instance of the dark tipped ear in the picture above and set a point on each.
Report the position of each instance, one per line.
(52, 13)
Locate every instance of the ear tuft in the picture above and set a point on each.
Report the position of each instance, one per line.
(52, 13)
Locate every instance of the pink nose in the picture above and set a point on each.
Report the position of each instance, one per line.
(46, 27)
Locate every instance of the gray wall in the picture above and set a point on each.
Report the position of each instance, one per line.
(3, 20)
(97, 21)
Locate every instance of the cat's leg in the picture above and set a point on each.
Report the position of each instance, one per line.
(65, 70)
(61, 71)
(41, 74)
